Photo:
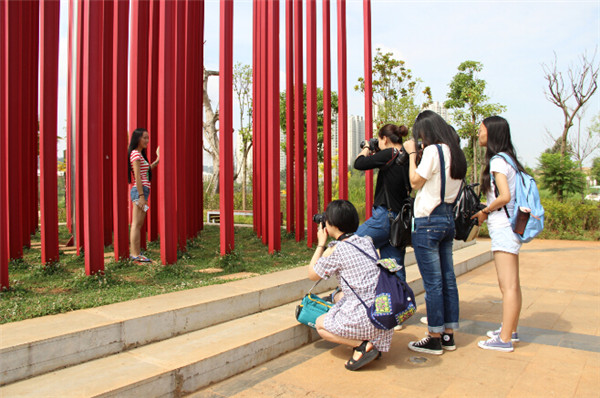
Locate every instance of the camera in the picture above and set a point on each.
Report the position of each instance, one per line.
(319, 219)
(372, 144)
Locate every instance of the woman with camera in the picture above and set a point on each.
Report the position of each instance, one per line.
(347, 257)
(438, 179)
(393, 186)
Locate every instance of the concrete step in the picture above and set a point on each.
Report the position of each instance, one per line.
(193, 360)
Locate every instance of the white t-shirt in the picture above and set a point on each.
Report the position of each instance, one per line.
(498, 219)
(428, 197)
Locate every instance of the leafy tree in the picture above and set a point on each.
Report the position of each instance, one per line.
(395, 91)
(242, 87)
(334, 113)
(470, 104)
(561, 175)
(595, 172)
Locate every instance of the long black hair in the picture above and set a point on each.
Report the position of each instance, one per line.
(498, 140)
(431, 128)
(133, 144)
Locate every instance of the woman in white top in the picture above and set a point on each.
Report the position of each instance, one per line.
(437, 178)
(494, 134)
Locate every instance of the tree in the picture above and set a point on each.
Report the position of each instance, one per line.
(595, 172)
(334, 113)
(582, 147)
(211, 133)
(395, 91)
(468, 100)
(582, 82)
(242, 87)
(561, 175)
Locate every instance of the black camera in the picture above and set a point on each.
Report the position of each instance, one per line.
(372, 144)
(319, 219)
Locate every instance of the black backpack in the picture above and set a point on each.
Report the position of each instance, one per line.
(467, 204)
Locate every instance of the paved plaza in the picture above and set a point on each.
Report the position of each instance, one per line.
(558, 356)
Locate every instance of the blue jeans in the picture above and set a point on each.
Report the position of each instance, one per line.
(432, 241)
(378, 228)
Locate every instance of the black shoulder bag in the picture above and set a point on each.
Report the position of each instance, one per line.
(401, 225)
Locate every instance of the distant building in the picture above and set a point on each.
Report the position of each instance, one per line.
(356, 133)
(438, 108)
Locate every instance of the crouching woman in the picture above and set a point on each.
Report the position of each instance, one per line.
(347, 258)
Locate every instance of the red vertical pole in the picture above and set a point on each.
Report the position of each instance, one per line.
(199, 115)
(92, 137)
(312, 181)
(4, 228)
(255, 122)
(226, 126)
(34, 121)
(342, 101)
(299, 120)
(167, 221)
(273, 183)
(152, 114)
(107, 99)
(79, 230)
(29, 117)
(368, 103)
(180, 131)
(326, 103)
(119, 128)
(289, 114)
(264, 125)
(68, 185)
(50, 11)
(14, 149)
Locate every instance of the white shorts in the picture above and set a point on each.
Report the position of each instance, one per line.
(504, 240)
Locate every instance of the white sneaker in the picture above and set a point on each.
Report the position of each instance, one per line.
(424, 320)
(494, 333)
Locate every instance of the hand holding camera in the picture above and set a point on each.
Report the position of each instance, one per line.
(372, 144)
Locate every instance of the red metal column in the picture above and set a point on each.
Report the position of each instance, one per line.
(274, 185)
(68, 186)
(167, 221)
(50, 21)
(4, 228)
(299, 120)
(199, 129)
(312, 180)
(256, 46)
(79, 230)
(107, 123)
(289, 114)
(326, 103)
(368, 103)
(180, 131)
(92, 137)
(119, 128)
(152, 114)
(226, 126)
(264, 126)
(342, 101)
(14, 150)
(27, 126)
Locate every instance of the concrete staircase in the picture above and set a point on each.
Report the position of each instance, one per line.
(172, 344)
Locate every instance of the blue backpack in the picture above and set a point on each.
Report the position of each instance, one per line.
(526, 195)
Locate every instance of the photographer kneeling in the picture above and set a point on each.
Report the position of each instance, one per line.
(347, 257)
(393, 186)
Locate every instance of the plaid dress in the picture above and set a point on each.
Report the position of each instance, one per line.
(348, 317)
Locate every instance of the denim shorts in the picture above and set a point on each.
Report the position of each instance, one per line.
(504, 240)
(136, 196)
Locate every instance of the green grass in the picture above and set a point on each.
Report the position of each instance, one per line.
(37, 290)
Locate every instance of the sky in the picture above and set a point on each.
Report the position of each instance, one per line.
(512, 39)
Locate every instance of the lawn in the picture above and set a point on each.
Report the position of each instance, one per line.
(38, 291)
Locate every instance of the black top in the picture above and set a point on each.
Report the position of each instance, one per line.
(392, 174)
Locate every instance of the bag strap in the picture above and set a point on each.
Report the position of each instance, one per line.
(313, 286)
(442, 172)
(508, 160)
(363, 252)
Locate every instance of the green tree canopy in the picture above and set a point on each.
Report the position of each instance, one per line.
(595, 172)
(560, 174)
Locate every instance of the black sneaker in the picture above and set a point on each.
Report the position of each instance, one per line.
(448, 341)
(428, 345)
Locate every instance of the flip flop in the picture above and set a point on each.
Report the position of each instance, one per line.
(366, 358)
(144, 259)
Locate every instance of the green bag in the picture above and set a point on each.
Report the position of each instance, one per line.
(312, 307)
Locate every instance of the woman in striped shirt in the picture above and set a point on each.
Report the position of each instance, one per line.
(142, 171)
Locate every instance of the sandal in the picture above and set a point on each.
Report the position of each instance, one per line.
(366, 358)
(140, 259)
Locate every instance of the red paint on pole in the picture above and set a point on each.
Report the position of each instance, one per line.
(327, 183)
(68, 159)
(199, 115)
(368, 103)
(50, 21)
(79, 230)
(4, 228)
(119, 129)
(226, 126)
(107, 111)
(289, 114)
(28, 123)
(312, 180)
(299, 120)
(255, 123)
(92, 137)
(342, 101)
(167, 217)
(180, 130)
(264, 125)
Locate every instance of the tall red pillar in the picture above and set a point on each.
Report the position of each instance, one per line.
(167, 221)
(327, 183)
(68, 174)
(79, 230)
(180, 130)
(289, 114)
(368, 103)
(92, 137)
(226, 125)
(107, 114)
(299, 120)
(119, 129)
(4, 228)
(312, 182)
(199, 115)
(342, 101)
(264, 125)
(256, 51)
(50, 21)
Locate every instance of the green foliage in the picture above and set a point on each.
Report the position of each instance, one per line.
(595, 171)
(560, 174)
(571, 219)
